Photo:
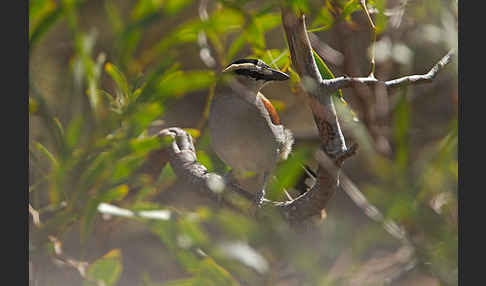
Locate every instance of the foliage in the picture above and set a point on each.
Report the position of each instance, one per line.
(89, 139)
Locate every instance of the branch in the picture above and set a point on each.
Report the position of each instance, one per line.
(321, 103)
(312, 202)
(343, 82)
(320, 100)
(182, 155)
(183, 159)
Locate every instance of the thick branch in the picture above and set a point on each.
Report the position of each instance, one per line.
(320, 100)
(182, 157)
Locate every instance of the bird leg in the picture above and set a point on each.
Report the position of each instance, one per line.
(260, 196)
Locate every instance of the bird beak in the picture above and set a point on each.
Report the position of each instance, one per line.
(277, 75)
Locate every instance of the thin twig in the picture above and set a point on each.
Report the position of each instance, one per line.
(80, 266)
(35, 216)
(362, 3)
(344, 82)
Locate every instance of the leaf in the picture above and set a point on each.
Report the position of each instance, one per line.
(350, 7)
(58, 125)
(144, 145)
(33, 105)
(323, 21)
(125, 166)
(380, 19)
(326, 73)
(41, 20)
(87, 220)
(73, 132)
(114, 16)
(146, 113)
(224, 21)
(167, 175)
(119, 78)
(191, 228)
(289, 172)
(39, 8)
(181, 82)
(236, 45)
(236, 226)
(173, 6)
(144, 8)
(179, 282)
(107, 268)
(114, 194)
(195, 133)
(204, 159)
(210, 273)
(259, 26)
(46, 152)
(298, 6)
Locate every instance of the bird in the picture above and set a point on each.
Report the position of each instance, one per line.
(245, 129)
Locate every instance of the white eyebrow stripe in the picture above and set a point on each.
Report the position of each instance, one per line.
(247, 66)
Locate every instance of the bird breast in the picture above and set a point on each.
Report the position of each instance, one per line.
(242, 133)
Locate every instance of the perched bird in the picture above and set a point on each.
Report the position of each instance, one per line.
(245, 128)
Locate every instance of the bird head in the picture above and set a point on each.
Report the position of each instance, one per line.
(254, 73)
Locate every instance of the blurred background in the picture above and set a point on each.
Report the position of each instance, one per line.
(106, 75)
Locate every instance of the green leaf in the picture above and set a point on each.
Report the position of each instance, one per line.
(259, 26)
(58, 125)
(73, 132)
(46, 152)
(191, 228)
(173, 6)
(236, 226)
(44, 25)
(107, 268)
(119, 78)
(146, 113)
(144, 8)
(179, 282)
(38, 8)
(181, 82)
(298, 6)
(236, 46)
(289, 172)
(323, 21)
(167, 174)
(205, 159)
(326, 74)
(210, 273)
(114, 194)
(143, 145)
(114, 16)
(87, 220)
(350, 7)
(33, 105)
(276, 58)
(125, 166)
(224, 21)
(380, 19)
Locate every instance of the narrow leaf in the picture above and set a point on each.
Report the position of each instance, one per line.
(107, 269)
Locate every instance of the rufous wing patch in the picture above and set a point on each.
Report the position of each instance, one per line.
(271, 110)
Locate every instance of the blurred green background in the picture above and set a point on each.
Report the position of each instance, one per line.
(106, 75)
